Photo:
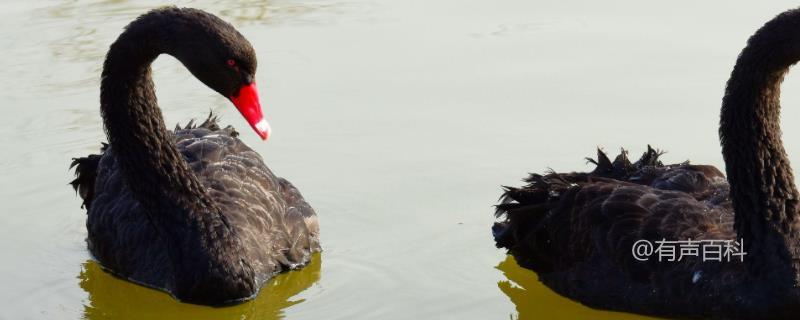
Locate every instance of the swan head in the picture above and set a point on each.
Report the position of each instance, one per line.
(220, 57)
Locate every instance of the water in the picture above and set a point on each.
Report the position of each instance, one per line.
(399, 121)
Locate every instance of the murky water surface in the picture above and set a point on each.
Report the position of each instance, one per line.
(399, 121)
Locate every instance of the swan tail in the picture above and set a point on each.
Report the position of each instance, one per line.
(527, 210)
(85, 175)
(549, 212)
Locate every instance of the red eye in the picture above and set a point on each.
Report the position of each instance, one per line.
(231, 62)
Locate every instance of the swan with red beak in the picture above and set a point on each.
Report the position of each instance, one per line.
(194, 212)
(246, 100)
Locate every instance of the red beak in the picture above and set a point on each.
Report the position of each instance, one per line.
(247, 103)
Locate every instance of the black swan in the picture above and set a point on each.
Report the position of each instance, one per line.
(193, 212)
(578, 230)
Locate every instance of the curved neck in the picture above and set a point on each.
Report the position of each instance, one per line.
(153, 167)
(762, 184)
(201, 244)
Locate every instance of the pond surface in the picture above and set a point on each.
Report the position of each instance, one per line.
(398, 120)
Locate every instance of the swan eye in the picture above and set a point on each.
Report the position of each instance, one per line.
(231, 62)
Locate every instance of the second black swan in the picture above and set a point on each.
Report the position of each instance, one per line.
(578, 230)
(193, 211)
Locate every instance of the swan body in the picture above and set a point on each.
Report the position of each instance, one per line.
(192, 211)
(578, 230)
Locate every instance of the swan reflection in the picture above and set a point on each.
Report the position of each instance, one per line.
(535, 301)
(114, 298)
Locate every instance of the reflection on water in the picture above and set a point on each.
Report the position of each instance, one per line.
(534, 300)
(80, 20)
(245, 12)
(82, 24)
(114, 298)
(86, 26)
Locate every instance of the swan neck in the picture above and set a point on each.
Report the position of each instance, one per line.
(153, 167)
(763, 192)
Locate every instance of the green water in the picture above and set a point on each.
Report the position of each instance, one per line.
(398, 120)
